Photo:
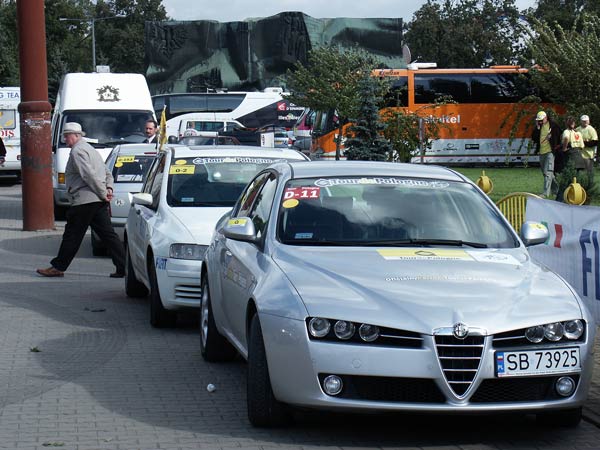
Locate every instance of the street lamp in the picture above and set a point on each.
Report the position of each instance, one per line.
(92, 21)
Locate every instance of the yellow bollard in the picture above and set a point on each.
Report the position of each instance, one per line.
(484, 183)
(575, 194)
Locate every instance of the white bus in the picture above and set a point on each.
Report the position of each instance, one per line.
(10, 97)
(251, 109)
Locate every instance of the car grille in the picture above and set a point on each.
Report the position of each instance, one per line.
(460, 360)
(390, 389)
(528, 389)
(187, 291)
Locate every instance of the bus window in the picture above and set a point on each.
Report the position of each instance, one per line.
(398, 93)
(495, 88)
(224, 102)
(430, 87)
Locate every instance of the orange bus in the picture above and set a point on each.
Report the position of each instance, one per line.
(478, 128)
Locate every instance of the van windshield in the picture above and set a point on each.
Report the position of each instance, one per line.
(104, 128)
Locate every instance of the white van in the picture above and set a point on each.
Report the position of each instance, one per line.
(112, 109)
(203, 124)
(10, 97)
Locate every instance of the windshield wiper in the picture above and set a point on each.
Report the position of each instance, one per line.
(407, 242)
(321, 243)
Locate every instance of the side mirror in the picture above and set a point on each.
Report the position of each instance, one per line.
(240, 229)
(142, 199)
(172, 140)
(534, 233)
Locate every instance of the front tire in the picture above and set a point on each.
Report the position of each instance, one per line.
(133, 287)
(566, 418)
(213, 346)
(264, 410)
(159, 316)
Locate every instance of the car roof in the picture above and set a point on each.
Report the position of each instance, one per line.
(237, 150)
(136, 149)
(372, 168)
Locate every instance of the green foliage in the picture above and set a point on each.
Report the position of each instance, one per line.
(568, 62)
(330, 80)
(563, 13)
(9, 66)
(410, 131)
(587, 183)
(465, 33)
(365, 141)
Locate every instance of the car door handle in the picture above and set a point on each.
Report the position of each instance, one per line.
(228, 253)
(138, 211)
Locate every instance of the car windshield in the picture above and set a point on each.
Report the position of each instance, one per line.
(391, 211)
(132, 168)
(107, 128)
(211, 181)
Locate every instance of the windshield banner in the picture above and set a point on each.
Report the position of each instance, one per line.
(572, 250)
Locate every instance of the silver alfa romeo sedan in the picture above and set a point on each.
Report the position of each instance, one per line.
(364, 286)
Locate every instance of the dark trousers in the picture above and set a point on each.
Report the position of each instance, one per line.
(79, 218)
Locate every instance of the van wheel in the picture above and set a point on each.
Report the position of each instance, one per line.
(98, 248)
(159, 316)
(133, 287)
(213, 346)
(566, 418)
(264, 410)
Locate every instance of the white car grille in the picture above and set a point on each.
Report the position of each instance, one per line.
(459, 359)
(187, 291)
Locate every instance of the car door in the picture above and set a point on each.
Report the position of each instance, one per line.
(144, 217)
(239, 259)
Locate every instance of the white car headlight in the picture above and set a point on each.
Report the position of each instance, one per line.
(187, 251)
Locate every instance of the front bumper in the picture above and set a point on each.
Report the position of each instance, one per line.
(179, 282)
(378, 378)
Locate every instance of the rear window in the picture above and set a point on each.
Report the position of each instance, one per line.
(132, 168)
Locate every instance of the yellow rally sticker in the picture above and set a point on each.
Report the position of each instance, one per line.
(237, 222)
(424, 254)
(125, 159)
(538, 226)
(290, 203)
(182, 170)
(119, 164)
(180, 162)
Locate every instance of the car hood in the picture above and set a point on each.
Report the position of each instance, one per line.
(200, 222)
(421, 289)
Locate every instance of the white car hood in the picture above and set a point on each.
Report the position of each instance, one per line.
(493, 290)
(200, 222)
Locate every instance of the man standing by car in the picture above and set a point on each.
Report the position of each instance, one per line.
(150, 129)
(89, 183)
(547, 139)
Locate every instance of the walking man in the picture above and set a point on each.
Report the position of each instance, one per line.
(590, 140)
(89, 183)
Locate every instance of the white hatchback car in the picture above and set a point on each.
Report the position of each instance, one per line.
(171, 222)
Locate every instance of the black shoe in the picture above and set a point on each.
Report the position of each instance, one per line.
(117, 275)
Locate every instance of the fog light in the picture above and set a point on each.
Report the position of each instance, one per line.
(343, 329)
(535, 334)
(565, 386)
(573, 329)
(319, 327)
(368, 333)
(554, 331)
(332, 385)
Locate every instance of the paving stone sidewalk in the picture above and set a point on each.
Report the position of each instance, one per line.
(81, 369)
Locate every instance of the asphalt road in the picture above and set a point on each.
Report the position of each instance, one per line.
(81, 368)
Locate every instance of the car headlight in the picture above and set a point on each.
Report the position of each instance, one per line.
(554, 332)
(319, 327)
(187, 251)
(344, 330)
(573, 329)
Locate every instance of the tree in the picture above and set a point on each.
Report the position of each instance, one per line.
(567, 64)
(465, 33)
(9, 65)
(330, 82)
(366, 141)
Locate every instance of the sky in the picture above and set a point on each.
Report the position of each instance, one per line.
(233, 10)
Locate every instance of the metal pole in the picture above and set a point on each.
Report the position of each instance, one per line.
(93, 21)
(34, 109)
